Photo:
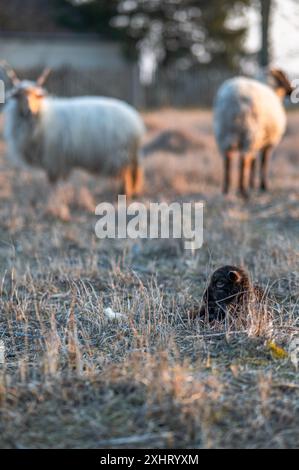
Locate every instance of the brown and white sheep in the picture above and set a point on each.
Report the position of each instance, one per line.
(249, 117)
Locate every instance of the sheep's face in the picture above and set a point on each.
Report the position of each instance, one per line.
(28, 94)
(29, 97)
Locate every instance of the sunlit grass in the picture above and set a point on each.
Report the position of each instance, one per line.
(71, 378)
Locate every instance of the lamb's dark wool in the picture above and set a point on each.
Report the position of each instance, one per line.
(229, 290)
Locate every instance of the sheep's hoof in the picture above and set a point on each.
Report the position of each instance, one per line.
(264, 187)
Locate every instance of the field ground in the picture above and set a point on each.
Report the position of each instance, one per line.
(71, 379)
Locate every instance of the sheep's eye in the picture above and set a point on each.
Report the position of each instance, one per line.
(220, 284)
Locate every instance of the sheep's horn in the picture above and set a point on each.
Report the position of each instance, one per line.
(282, 79)
(10, 72)
(43, 77)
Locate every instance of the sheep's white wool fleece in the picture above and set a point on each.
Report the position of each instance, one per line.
(96, 133)
(248, 115)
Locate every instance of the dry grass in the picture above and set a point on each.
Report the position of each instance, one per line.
(73, 379)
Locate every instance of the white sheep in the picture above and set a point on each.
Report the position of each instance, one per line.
(101, 135)
(249, 117)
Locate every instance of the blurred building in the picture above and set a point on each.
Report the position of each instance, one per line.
(32, 35)
(28, 50)
(31, 38)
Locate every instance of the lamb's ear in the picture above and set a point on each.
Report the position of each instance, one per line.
(234, 276)
(43, 77)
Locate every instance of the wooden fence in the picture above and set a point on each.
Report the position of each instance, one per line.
(180, 89)
(169, 87)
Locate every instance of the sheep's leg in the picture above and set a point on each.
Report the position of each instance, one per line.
(137, 176)
(227, 172)
(266, 154)
(136, 170)
(128, 184)
(245, 164)
(252, 173)
(59, 200)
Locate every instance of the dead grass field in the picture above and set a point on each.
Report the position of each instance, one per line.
(72, 380)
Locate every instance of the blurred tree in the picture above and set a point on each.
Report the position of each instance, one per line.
(185, 32)
(265, 6)
(89, 16)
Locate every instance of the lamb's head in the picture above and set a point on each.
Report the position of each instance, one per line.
(282, 84)
(28, 94)
(225, 283)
